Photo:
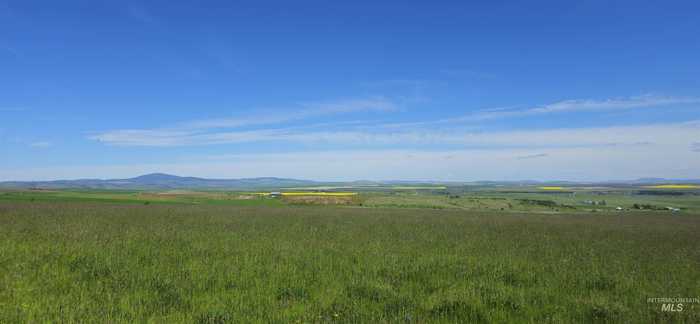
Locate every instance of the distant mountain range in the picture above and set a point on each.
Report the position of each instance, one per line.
(162, 181)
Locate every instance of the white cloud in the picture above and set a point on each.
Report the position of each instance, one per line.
(575, 105)
(217, 131)
(666, 134)
(222, 130)
(578, 105)
(585, 154)
(593, 153)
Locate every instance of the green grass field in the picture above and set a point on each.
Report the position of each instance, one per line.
(113, 258)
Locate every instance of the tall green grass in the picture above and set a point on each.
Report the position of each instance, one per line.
(100, 262)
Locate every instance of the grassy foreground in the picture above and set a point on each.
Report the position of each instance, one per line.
(105, 262)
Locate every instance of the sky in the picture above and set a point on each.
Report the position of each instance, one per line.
(371, 90)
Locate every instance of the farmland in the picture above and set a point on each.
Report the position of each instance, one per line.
(505, 199)
(457, 255)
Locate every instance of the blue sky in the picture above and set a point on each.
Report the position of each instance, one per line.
(497, 90)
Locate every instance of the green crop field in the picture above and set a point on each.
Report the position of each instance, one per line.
(222, 257)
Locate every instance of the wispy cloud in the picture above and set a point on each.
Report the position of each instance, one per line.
(532, 156)
(219, 130)
(579, 105)
(695, 147)
(275, 127)
(638, 135)
(298, 112)
(144, 137)
(348, 106)
(565, 106)
(42, 144)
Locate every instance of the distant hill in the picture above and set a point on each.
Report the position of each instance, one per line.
(161, 181)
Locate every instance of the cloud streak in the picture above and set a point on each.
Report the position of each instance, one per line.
(639, 135)
(579, 105)
(299, 112)
(695, 147)
(218, 131)
(560, 107)
(532, 156)
(429, 149)
(42, 144)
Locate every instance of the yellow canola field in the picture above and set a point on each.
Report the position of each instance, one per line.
(419, 188)
(311, 193)
(319, 193)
